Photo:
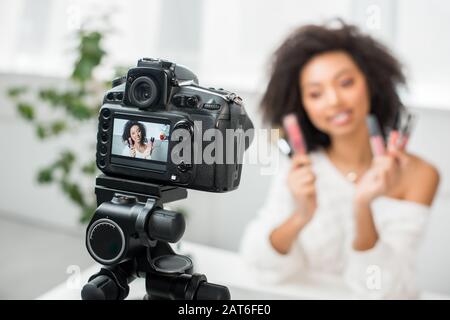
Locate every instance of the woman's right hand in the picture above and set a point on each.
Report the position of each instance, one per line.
(301, 183)
(132, 148)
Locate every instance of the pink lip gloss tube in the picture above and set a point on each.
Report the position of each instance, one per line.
(376, 138)
(393, 140)
(294, 133)
(394, 135)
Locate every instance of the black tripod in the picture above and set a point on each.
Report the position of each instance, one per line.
(130, 233)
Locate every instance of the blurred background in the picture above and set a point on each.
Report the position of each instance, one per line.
(57, 57)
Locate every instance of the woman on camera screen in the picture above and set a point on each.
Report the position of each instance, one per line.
(339, 207)
(134, 135)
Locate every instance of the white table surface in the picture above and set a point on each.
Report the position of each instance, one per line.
(227, 268)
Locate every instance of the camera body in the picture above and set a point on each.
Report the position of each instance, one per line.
(163, 100)
(159, 133)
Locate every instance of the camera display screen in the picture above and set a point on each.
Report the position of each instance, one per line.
(140, 142)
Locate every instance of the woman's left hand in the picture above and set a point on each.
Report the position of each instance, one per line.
(382, 177)
(148, 150)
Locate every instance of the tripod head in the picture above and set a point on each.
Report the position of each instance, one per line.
(130, 234)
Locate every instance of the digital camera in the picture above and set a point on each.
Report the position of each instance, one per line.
(158, 125)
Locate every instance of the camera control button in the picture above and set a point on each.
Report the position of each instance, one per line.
(105, 125)
(106, 113)
(185, 125)
(102, 163)
(103, 150)
(211, 106)
(173, 177)
(104, 137)
(182, 101)
(178, 101)
(183, 167)
(191, 102)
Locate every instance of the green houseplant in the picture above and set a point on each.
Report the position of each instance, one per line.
(76, 105)
(79, 104)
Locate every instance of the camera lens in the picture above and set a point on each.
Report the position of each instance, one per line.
(143, 92)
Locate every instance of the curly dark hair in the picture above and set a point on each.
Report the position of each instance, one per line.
(382, 71)
(126, 131)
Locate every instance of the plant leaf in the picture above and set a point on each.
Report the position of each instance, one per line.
(87, 213)
(26, 110)
(41, 131)
(66, 161)
(91, 55)
(45, 175)
(73, 191)
(15, 92)
(89, 168)
(58, 126)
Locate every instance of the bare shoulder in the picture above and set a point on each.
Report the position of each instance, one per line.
(421, 180)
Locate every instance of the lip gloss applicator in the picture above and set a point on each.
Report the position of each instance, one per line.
(376, 137)
(405, 132)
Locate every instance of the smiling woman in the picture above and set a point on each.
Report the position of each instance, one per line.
(134, 135)
(351, 54)
(366, 229)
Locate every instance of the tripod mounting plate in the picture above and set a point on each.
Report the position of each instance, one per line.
(106, 187)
